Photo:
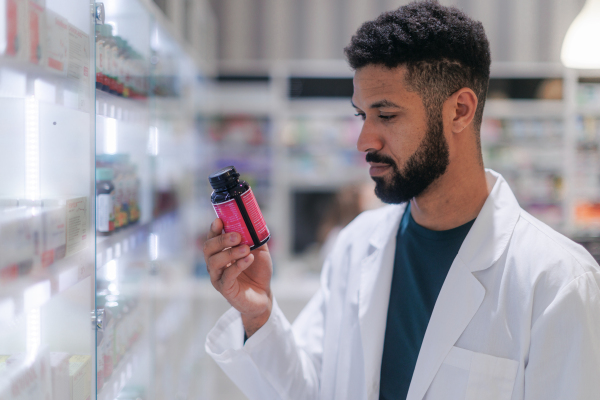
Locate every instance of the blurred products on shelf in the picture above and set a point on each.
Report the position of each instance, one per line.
(119, 188)
(323, 146)
(122, 327)
(45, 375)
(120, 70)
(588, 92)
(34, 237)
(244, 141)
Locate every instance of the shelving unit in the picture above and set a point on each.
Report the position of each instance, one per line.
(71, 299)
(582, 158)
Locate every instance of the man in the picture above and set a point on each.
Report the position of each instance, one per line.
(451, 292)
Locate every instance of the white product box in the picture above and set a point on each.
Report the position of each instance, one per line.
(59, 364)
(80, 377)
(17, 245)
(12, 31)
(78, 69)
(54, 238)
(29, 377)
(77, 224)
(35, 29)
(57, 42)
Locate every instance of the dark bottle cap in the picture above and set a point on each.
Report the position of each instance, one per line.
(228, 177)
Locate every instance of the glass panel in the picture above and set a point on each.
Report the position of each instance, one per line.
(145, 166)
(124, 193)
(46, 222)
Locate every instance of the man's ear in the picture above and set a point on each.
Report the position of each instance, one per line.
(462, 106)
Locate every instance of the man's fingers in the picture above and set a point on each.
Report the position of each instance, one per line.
(217, 262)
(215, 228)
(231, 273)
(217, 242)
(223, 258)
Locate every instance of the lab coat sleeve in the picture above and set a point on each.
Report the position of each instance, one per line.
(278, 361)
(564, 354)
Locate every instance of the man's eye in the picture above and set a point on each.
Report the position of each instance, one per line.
(361, 115)
(386, 117)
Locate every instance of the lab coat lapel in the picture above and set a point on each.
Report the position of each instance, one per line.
(462, 294)
(459, 299)
(374, 294)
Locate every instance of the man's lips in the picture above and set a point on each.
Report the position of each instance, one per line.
(378, 168)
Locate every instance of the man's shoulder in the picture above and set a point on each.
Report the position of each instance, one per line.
(548, 258)
(547, 242)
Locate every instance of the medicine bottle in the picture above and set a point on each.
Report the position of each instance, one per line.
(236, 206)
(105, 201)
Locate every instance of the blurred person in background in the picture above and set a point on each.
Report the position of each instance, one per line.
(450, 292)
(349, 202)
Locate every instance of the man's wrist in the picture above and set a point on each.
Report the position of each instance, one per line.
(254, 323)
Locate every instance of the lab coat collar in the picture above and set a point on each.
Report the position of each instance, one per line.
(488, 237)
(459, 299)
(388, 227)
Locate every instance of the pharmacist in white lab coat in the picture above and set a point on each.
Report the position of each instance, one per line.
(516, 310)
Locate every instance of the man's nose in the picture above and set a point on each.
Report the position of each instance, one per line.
(369, 139)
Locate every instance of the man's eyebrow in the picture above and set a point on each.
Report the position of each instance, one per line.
(384, 103)
(379, 104)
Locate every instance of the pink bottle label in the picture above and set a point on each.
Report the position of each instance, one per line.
(233, 221)
(255, 215)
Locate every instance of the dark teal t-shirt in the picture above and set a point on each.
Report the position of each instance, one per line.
(423, 258)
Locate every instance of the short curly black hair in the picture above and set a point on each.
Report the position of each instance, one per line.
(443, 49)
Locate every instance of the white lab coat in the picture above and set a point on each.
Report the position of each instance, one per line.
(518, 317)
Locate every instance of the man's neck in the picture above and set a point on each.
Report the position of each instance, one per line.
(453, 200)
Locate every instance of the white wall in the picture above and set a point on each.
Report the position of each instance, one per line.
(518, 30)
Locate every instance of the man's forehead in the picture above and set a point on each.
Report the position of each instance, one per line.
(379, 79)
(374, 72)
(374, 83)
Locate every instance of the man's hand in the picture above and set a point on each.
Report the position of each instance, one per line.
(241, 276)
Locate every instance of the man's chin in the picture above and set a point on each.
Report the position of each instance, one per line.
(388, 194)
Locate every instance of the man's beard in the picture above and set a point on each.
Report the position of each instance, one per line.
(424, 166)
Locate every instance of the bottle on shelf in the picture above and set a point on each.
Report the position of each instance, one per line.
(126, 188)
(110, 51)
(100, 59)
(105, 201)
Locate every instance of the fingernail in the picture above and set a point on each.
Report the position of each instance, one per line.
(241, 250)
(211, 225)
(233, 237)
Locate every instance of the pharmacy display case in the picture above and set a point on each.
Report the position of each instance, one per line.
(523, 136)
(97, 200)
(540, 130)
(582, 158)
(47, 240)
